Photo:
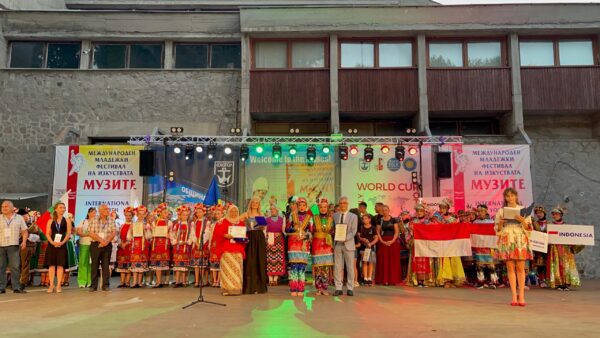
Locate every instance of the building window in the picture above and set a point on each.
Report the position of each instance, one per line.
(358, 55)
(445, 54)
(308, 55)
(464, 127)
(537, 53)
(191, 56)
(225, 56)
(270, 54)
(575, 53)
(195, 55)
(119, 55)
(63, 55)
(484, 54)
(395, 54)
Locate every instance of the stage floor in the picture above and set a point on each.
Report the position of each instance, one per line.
(372, 312)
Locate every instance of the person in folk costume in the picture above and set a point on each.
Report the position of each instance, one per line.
(322, 247)
(539, 258)
(200, 246)
(255, 269)
(513, 245)
(181, 240)
(151, 218)
(159, 252)
(124, 248)
(139, 243)
(562, 271)
(217, 212)
(231, 253)
(298, 230)
(421, 268)
(404, 222)
(450, 272)
(275, 246)
(484, 257)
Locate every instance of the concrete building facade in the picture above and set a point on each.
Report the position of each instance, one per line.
(505, 74)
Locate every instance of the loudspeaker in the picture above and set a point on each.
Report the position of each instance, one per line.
(147, 163)
(443, 165)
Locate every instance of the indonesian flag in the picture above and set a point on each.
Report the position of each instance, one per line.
(483, 235)
(42, 221)
(442, 240)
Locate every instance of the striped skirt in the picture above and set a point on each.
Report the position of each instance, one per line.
(231, 275)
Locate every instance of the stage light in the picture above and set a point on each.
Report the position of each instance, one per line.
(325, 149)
(343, 152)
(353, 150)
(415, 179)
(385, 149)
(227, 150)
(189, 152)
(276, 151)
(211, 151)
(244, 152)
(311, 153)
(177, 150)
(293, 151)
(412, 151)
(176, 131)
(259, 149)
(368, 155)
(199, 149)
(400, 153)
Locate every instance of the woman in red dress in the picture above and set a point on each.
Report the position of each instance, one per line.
(159, 251)
(214, 260)
(231, 253)
(181, 241)
(200, 246)
(139, 242)
(124, 249)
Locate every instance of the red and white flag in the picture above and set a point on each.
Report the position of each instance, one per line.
(483, 235)
(442, 240)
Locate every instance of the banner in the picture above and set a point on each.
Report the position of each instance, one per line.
(442, 240)
(483, 235)
(571, 234)
(97, 174)
(274, 180)
(385, 179)
(538, 241)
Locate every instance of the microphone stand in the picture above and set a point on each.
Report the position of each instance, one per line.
(201, 284)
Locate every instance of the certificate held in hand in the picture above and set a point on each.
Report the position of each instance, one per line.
(161, 231)
(340, 232)
(237, 231)
(138, 230)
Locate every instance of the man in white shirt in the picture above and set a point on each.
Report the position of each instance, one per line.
(343, 252)
(12, 226)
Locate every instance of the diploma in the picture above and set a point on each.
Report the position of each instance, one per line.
(511, 213)
(138, 230)
(160, 231)
(366, 255)
(340, 232)
(237, 231)
(57, 238)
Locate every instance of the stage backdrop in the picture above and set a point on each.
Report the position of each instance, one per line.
(97, 174)
(270, 179)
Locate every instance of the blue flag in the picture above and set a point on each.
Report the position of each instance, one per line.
(213, 195)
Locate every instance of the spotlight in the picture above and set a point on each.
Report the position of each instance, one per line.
(353, 150)
(227, 150)
(368, 155)
(176, 130)
(259, 149)
(343, 152)
(199, 149)
(293, 151)
(311, 153)
(276, 151)
(412, 151)
(177, 150)
(411, 131)
(325, 150)
(385, 149)
(244, 152)
(400, 153)
(189, 152)
(211, 151)
(414, 177)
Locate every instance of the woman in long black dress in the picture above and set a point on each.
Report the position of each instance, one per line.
(255, 269)
(58, 230)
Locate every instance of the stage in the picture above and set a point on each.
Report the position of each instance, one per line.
(372, 312)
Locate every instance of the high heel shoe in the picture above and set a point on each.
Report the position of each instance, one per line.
(522, 304)
(50, 290)
(514, 304)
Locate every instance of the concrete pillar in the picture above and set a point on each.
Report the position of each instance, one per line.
(333, 83)
(86, 54)
(421, 120)
(514, 121)
(169, 61)
(596, 125)
(246, 122)
(3, 47)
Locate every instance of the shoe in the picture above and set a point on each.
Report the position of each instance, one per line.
(514, 304)
(566, 288)
(135, 286)
(121, 286)
(356, 284)
(522, 304)
(19, 291)
(492, 287)
(338, 293)
(159, 286)
(105, 289)
(93, 289)
(350, 293)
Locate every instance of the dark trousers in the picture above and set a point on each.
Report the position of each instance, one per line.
(10, 254)
(100, 257)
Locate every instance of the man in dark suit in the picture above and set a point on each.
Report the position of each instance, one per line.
(344, 250)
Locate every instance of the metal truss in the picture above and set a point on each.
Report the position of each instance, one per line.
(306, 140)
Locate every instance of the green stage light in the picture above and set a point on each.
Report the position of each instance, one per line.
(311, 153)
(326, 150)
(259, 149)
(293, 150)
(244, 152)
(276, 151)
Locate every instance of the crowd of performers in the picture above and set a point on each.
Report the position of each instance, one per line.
(196, 246)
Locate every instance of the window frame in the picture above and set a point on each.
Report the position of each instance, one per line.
(555, 48)
(127, 53)
(45, 44)
(494, 124)
(464, 41)
(209, 45)
(376, 42)
(288, 51)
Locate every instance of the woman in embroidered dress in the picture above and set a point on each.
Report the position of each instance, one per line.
(231, 253)
(322, 247)
(159, 251)
(298, 231)
(124, 250)
(562, 268)
(275, 246)
(181, 241)
(200, 246)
